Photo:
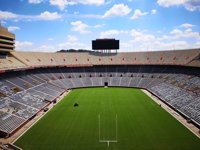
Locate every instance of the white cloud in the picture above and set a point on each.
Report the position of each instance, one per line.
(99, 25)
(59, 3)
(69, 45)
(22, 45)
(86, 16)
(164, 37)
(130, 40)
(49, 16)
(112, 33)
(13, 28)
(42, 48)
(176, 32)
(50, 39)
(193, 5)
(71, 38)
(187, 25)
(153, 11)
(80, 27)
(7, 15)
(138, 13)
(168, 3)
(63, 3)
(172, 45)
(142, 40)
(71, 42)
(197, 44)
(45, 48)
(141, 36)
(188, 33)
(154, 45)
(190, 5)
(35, 1)
(117, 10)
(90, 2)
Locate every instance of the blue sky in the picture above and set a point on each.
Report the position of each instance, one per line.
(140, 25)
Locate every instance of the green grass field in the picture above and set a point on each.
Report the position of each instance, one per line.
(142, 124)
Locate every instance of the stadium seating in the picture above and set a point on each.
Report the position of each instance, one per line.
(9, 122)
(45, 76)
(10, 63)
(33, 59)
(181, 99)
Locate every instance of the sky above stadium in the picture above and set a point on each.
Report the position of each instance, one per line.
(140, 25)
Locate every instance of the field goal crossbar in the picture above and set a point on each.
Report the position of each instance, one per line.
(108, 141)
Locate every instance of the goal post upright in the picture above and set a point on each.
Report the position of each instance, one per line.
(116, 127)
(99, 128)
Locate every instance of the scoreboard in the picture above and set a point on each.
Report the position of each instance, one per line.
(105, 44)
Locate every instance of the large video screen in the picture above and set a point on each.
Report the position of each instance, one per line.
(105, 44)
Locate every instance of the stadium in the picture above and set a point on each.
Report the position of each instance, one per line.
(99, 75)
(113, 94)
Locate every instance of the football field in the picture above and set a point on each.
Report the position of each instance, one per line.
(108, 118)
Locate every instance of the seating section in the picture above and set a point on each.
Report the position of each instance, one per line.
(19, 109)
(10, 63)
(125, 81)
(37, 59)
(96, 81)
(186, 102)
(9, 122)
(115, 81)
(87, 82)
(5, 89)
(24, 93)
(23, 105)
